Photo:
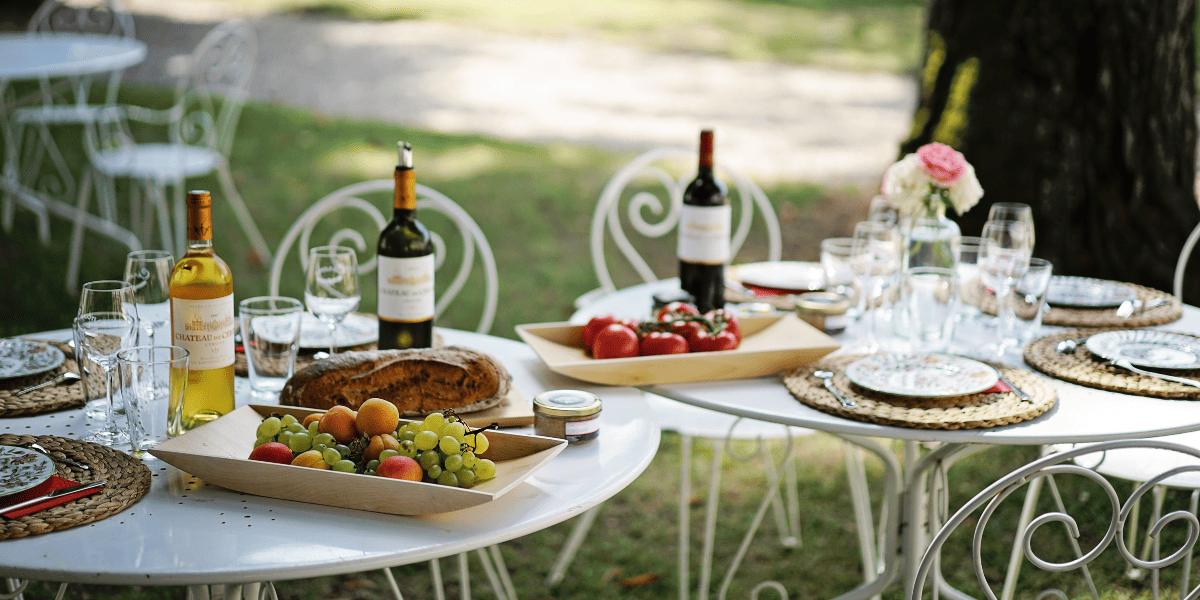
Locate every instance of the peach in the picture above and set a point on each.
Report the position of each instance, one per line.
(378, 444)
(339, 422)
(311, 459)
(377, 416)
(272, 452)
(400, 467)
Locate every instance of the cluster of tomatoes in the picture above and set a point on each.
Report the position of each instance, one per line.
(678, 328)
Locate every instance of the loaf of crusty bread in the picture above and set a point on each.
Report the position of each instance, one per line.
(417, 381)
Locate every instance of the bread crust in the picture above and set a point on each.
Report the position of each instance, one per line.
(416, 381)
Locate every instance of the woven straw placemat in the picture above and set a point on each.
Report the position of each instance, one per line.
(973, 411)
(1086, 369)
(51, 397)
(1063, 316)
(128, 480)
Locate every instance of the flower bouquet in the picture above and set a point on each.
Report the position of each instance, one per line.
(921, 185)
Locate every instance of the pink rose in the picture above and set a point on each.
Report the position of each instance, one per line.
(943, 163)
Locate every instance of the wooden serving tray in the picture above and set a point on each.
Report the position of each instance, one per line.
(216, 452)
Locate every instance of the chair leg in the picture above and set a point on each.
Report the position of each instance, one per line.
(856, 473)
(565, 556)
(76, 252)
(158, 195)
(502, 569)
(685, 498)
(391, 579)
(1015, 557)
(464, 577)
(243, 214)
(435, 572)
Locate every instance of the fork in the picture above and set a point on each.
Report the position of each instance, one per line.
(1125, 364)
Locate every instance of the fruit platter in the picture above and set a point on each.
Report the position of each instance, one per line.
(765, 345)
(221, 453)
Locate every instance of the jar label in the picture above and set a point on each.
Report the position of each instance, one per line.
(406, 289)
(574, 428)
(704, 234)
(205, 329)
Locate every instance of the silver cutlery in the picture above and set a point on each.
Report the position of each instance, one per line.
(827, 377)
(1129, 308)
(39, 448)
(54, 494)
(1016, 390)
(65, 377)
(1125, 364)
(1068, 346)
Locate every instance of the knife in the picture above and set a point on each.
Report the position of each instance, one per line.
(1016, 390)
(53, 494)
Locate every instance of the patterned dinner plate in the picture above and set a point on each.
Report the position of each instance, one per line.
(1085, 292)
(926, 375)
(19, 358)
(21, 469)
(794, 276)
(354, 330)
(1148, 348)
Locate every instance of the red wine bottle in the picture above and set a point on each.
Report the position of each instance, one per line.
(704, 228)
(406, 261)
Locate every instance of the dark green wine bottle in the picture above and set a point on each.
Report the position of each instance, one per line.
(405, 254)
(704, 228)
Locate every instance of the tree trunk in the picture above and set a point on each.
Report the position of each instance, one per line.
(1082, 109)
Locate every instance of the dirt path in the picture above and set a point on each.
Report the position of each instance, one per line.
(778, 122)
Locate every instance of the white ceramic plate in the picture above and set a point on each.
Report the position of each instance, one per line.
(925, 375)
(355, 330)
(1085, 292)
(21, 469)
(19, 358)
(781, 275)
(1147, 348)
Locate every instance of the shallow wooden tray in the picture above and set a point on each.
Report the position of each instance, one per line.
(770, 344)
(216, 452)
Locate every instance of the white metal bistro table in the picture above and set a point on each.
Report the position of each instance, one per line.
(1081, 415)
(26, 56)
(210, 535)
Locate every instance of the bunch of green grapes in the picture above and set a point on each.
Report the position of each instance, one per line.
(288, 431)
(446, 450)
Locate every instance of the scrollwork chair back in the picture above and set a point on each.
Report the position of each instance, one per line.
(1085, 542)
(430, 203)
(655, 215)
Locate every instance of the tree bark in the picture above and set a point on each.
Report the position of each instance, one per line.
(1083, 109)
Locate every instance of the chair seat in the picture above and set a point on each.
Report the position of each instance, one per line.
(694, 421)
(157, 161)
(60, 115)
(1140, 464)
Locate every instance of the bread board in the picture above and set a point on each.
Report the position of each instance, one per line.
(216, 453)
(514, 411)
(770, 344)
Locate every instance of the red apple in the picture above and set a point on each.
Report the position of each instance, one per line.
(272, 452)
(400, 467)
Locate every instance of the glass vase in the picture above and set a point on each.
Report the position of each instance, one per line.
(930, 238)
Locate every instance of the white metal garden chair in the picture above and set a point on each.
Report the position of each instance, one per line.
(633, 193)
(199, 131)
(359, 204)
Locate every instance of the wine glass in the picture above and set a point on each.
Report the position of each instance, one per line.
(875, 258)
(149, 272)
(331, 286)
(1014, 211)
(109, 295)
(1004, 258)
(103, 335)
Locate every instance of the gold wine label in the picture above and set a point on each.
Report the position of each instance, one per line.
(405, 195)
(199, 215)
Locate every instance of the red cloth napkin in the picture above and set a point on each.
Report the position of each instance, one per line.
(55, 482)
(999, 388)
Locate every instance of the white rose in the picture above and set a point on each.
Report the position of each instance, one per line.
(905, 183)
(966, 192)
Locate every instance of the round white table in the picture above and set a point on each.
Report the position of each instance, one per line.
(184, 534)
(25, 56)
(1081, 415)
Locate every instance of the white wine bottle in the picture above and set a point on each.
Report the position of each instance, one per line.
(704, 230)
(202, 318)
(406, 261)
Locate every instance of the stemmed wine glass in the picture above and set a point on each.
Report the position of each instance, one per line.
(331, 286)
(104, 334)
(107, 295)
(1004, 258)
(149, 272)
(1014, 211)
(875, 258)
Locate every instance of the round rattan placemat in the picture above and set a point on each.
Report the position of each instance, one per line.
(1063, 316)
(973, 411)
(128, 480)
(1086, 369)
(49, 398)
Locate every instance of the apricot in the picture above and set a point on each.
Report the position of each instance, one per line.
(339, 422)
(311, 418)
(377, 417)
(311, 459)
(378, 444)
